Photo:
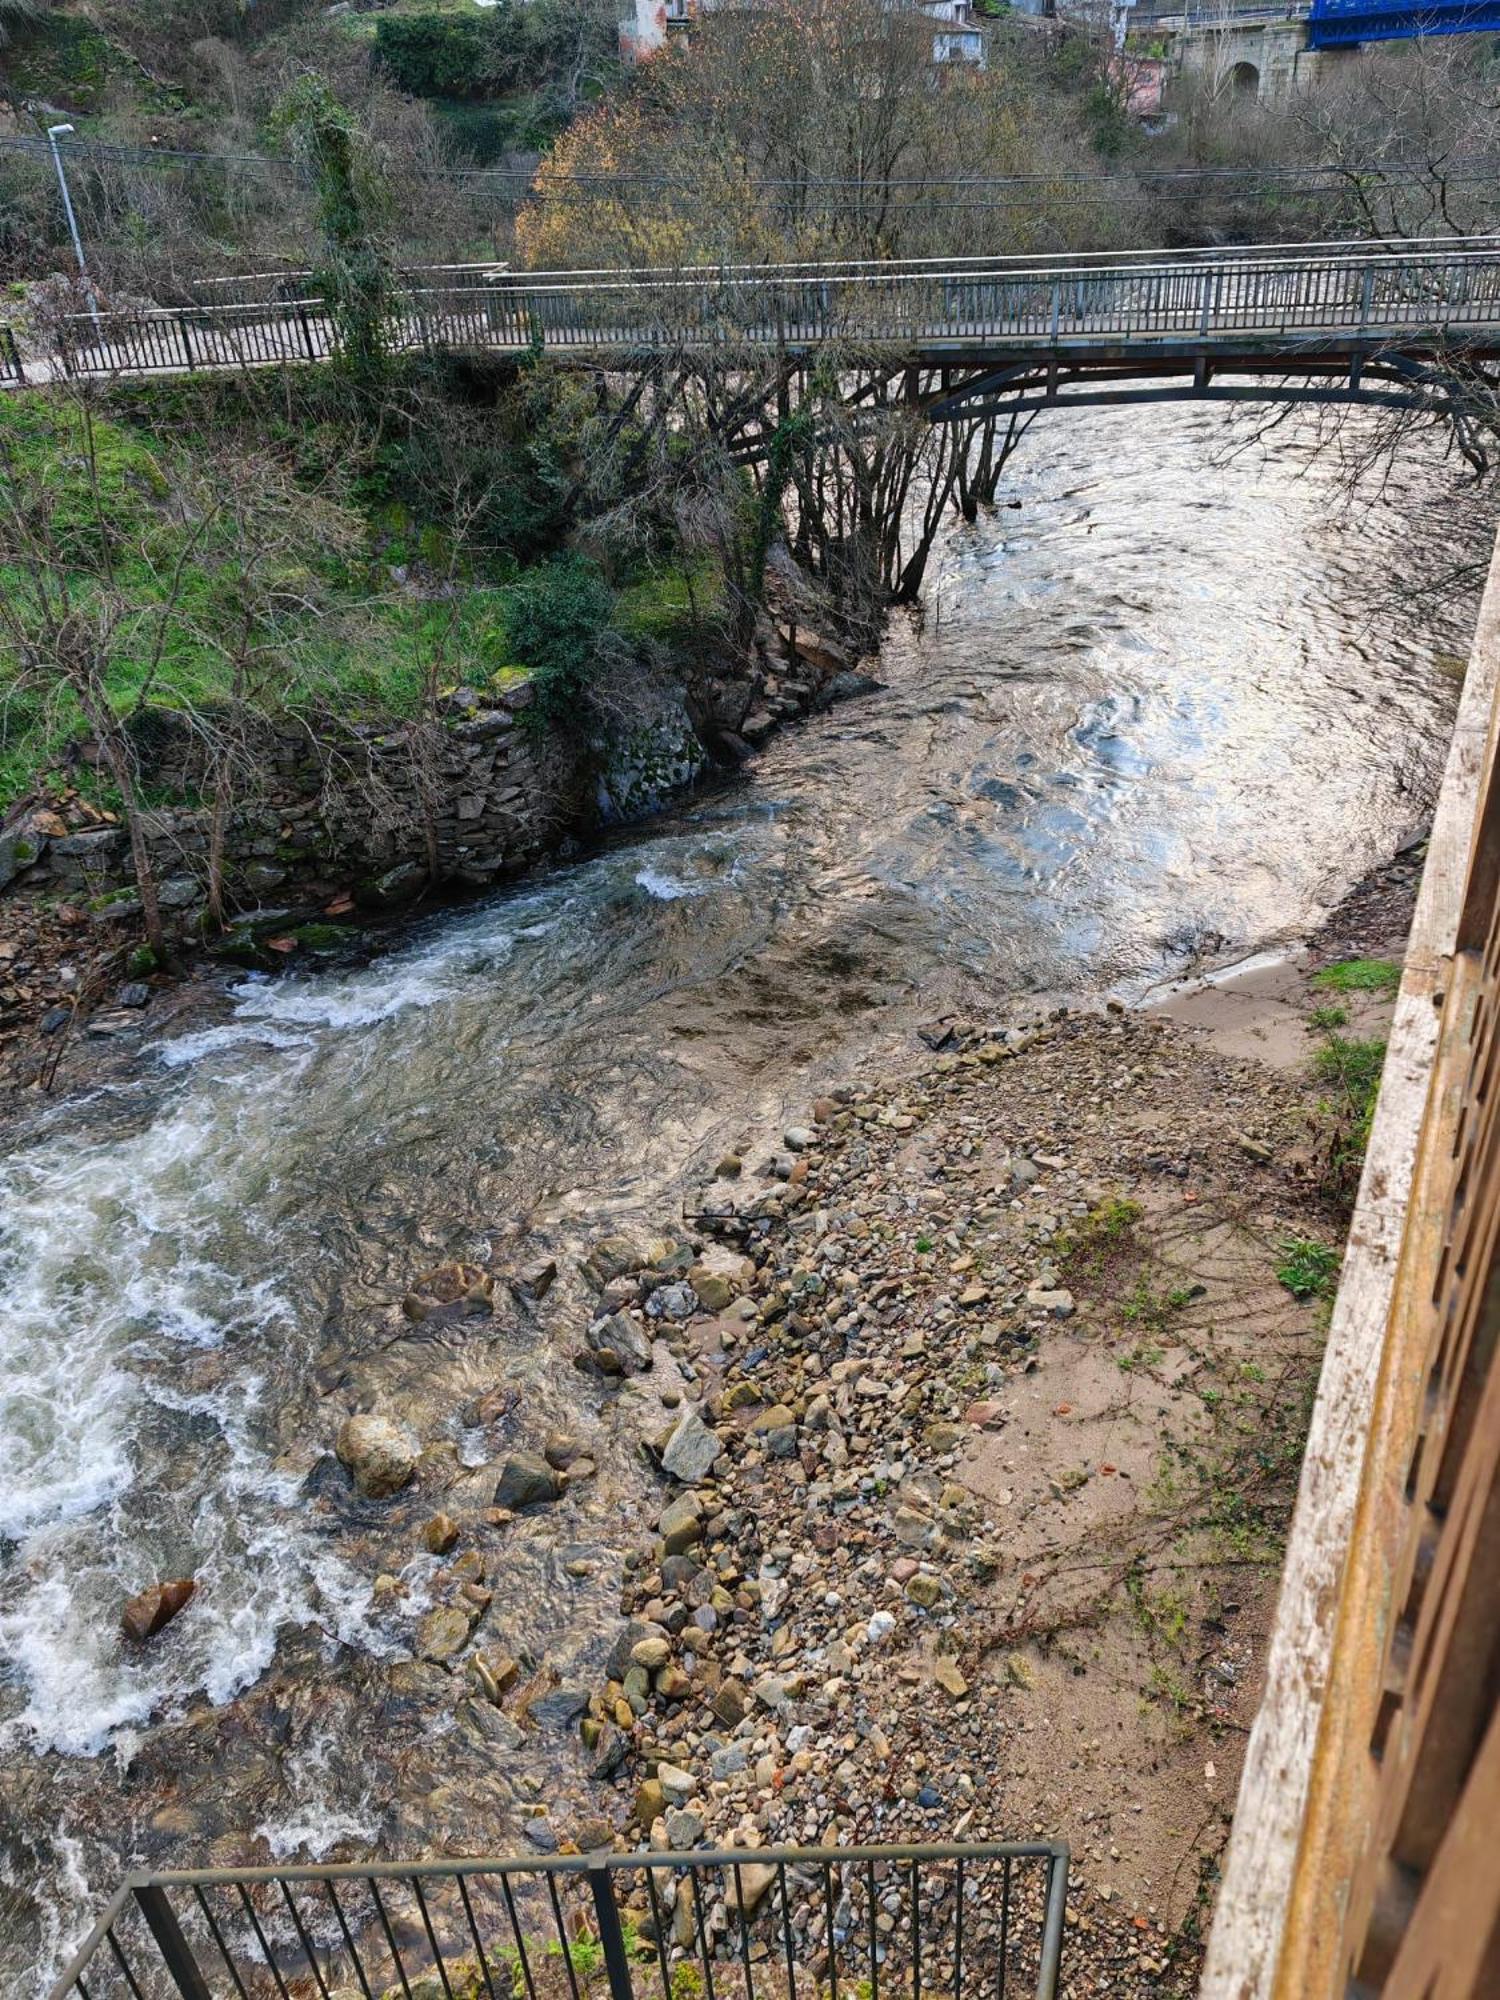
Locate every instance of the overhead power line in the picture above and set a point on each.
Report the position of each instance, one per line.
(519, 185)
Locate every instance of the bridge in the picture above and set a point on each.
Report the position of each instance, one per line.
(1386, 323)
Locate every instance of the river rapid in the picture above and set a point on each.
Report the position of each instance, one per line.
(1160, 711)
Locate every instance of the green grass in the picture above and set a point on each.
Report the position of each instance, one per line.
(672, 602)
(346, 641)
(1356, 1067)
(1107, 1226)
(1308, 1269)
(1326, 1019)
(1360, 975)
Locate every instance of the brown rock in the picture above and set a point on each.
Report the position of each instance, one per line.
(465, 1285)
(440, 1534)
(146, 1613)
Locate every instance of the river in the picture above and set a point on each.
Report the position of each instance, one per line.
(1160, 710)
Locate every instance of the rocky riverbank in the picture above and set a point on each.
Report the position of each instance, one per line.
(976, 1404)
(338, 843)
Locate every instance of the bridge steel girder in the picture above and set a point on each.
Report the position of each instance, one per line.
(1349, 372)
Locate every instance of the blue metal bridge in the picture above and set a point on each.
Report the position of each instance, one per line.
(1341, 24)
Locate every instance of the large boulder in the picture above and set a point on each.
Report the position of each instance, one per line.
(379, 1454)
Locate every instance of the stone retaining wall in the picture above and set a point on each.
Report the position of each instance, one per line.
(347, 808)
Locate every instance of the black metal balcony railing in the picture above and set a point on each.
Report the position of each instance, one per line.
(981, 1922)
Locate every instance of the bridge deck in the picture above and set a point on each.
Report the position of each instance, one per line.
(1293, 303)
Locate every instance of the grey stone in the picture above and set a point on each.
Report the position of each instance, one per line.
(93, 845)
(134, 993)
(179, 892)
(728, 1762)
(691, 1449)
(620, 1335)
(561, 1707)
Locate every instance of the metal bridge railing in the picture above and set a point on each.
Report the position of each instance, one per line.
(1236, 302)
(980, 1922)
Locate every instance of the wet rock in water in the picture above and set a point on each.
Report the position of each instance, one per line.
(535, 1280)
(560, 1708)
(495, 1673)
(607, 1751)
(484, 1724)
(379, 1454)
(466, 1286)
(691, 1449)
(526, 1481)
(621, 1336)
(611, 1257)
(442, 1633)
(561, 1449)
(149, 1610)
(440, 1534)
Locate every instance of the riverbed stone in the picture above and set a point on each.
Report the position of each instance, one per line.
(691, 1449)
(379, 1453)
(526, 1480)
(680, 1525)
(440, 1534)
(149, 1610)
(466, 1287)
(624, 1337)
(443, 1632)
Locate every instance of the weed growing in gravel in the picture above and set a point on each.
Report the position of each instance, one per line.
(1309, 1270)
(1108, 1227)
(1326, 1019)
(1360, 975)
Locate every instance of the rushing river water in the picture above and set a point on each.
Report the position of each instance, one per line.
(1158, 711)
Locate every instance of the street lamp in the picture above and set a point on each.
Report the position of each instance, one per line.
(54, 133)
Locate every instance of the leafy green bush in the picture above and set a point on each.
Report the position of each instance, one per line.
(557, 620)
(451, 55)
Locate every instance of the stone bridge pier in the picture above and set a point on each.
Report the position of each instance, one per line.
(1259, 54)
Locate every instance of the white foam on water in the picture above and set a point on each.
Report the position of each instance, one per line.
(663, 887)
(321, 1820)
(125, 1254)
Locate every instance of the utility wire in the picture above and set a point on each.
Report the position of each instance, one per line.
(1461, 166)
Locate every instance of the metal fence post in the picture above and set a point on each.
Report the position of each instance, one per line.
(616, 1963)
(176, 1952)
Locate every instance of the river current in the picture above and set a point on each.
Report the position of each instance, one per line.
(1163, 709)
